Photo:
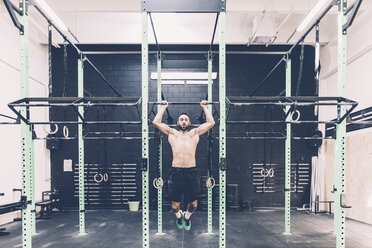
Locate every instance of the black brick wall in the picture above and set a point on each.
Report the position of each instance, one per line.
(244, 72)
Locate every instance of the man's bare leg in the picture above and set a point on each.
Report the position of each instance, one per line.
(191, 207)
(176, 210)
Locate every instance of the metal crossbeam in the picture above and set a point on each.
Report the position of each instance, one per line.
(291, 104)
(11, 8)
(183, 6)
(75, 103)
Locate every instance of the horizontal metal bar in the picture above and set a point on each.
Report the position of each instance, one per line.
(114, 138)
(187, 52)
(278, 138)
(9, 123)
(183, 6)
(182, 103)
(281, 122)
(56, 138)
(237, 104)
(86, 122)
(288, 99)
(76, 99)
(360, 122)
(71, 104)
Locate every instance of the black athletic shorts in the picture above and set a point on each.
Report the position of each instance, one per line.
(183, 181)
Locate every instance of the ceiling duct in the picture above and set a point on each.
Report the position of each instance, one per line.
(263, 29)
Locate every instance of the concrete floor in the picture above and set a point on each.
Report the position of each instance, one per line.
(259, 229)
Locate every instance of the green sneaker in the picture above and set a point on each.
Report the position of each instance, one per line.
(180, 221)
(186, 223)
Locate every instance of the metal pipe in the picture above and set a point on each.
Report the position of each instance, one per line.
(76, 48)
(186, 52)
(153, 30)
(296, 44)
(102, 76)
(311, 27)
(214, 32)
(181, 103)
(281, 122)
(267, 76)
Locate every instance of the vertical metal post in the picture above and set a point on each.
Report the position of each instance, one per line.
(32, 183)
(145, 133)
(317, 73)
(340, 142)
(26, 134)
(160, 190)
(222, 131)
(50, 71)
(287, 186)
(210, 108)
(81, 149)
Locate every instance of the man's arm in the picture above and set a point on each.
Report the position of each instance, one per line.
(203, 128)
(164, 128)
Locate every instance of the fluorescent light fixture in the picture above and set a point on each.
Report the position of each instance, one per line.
(51, 14)
(173, 82)
(183, 75)
(184, 82)
(319, 5)
(197, 82)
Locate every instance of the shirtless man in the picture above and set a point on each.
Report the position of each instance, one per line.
(183, 177)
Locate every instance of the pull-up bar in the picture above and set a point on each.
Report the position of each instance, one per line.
(182, 103)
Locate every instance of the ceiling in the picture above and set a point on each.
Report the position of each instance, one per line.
(119, 22)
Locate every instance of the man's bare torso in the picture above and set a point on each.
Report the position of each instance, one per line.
(183, 148)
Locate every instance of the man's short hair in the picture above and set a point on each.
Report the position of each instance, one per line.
(184, 114)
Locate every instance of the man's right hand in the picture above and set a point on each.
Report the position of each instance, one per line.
(164, 104)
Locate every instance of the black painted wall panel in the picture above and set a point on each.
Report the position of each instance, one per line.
(244, 73)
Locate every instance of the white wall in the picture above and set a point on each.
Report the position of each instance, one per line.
(10, 145)
(358, 143)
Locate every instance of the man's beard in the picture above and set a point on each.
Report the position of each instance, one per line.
(183, 128)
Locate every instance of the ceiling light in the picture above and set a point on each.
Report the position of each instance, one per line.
(319, 5)
(183, 75)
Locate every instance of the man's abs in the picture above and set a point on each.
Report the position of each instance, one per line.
(183, 149)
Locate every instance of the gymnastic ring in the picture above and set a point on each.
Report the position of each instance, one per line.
(298, 115)
(95, 178)
(65, 131)
(210, 182)
(264, 172)
(51, 132)
(270, 172)
(156, 183)
(105, 177)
